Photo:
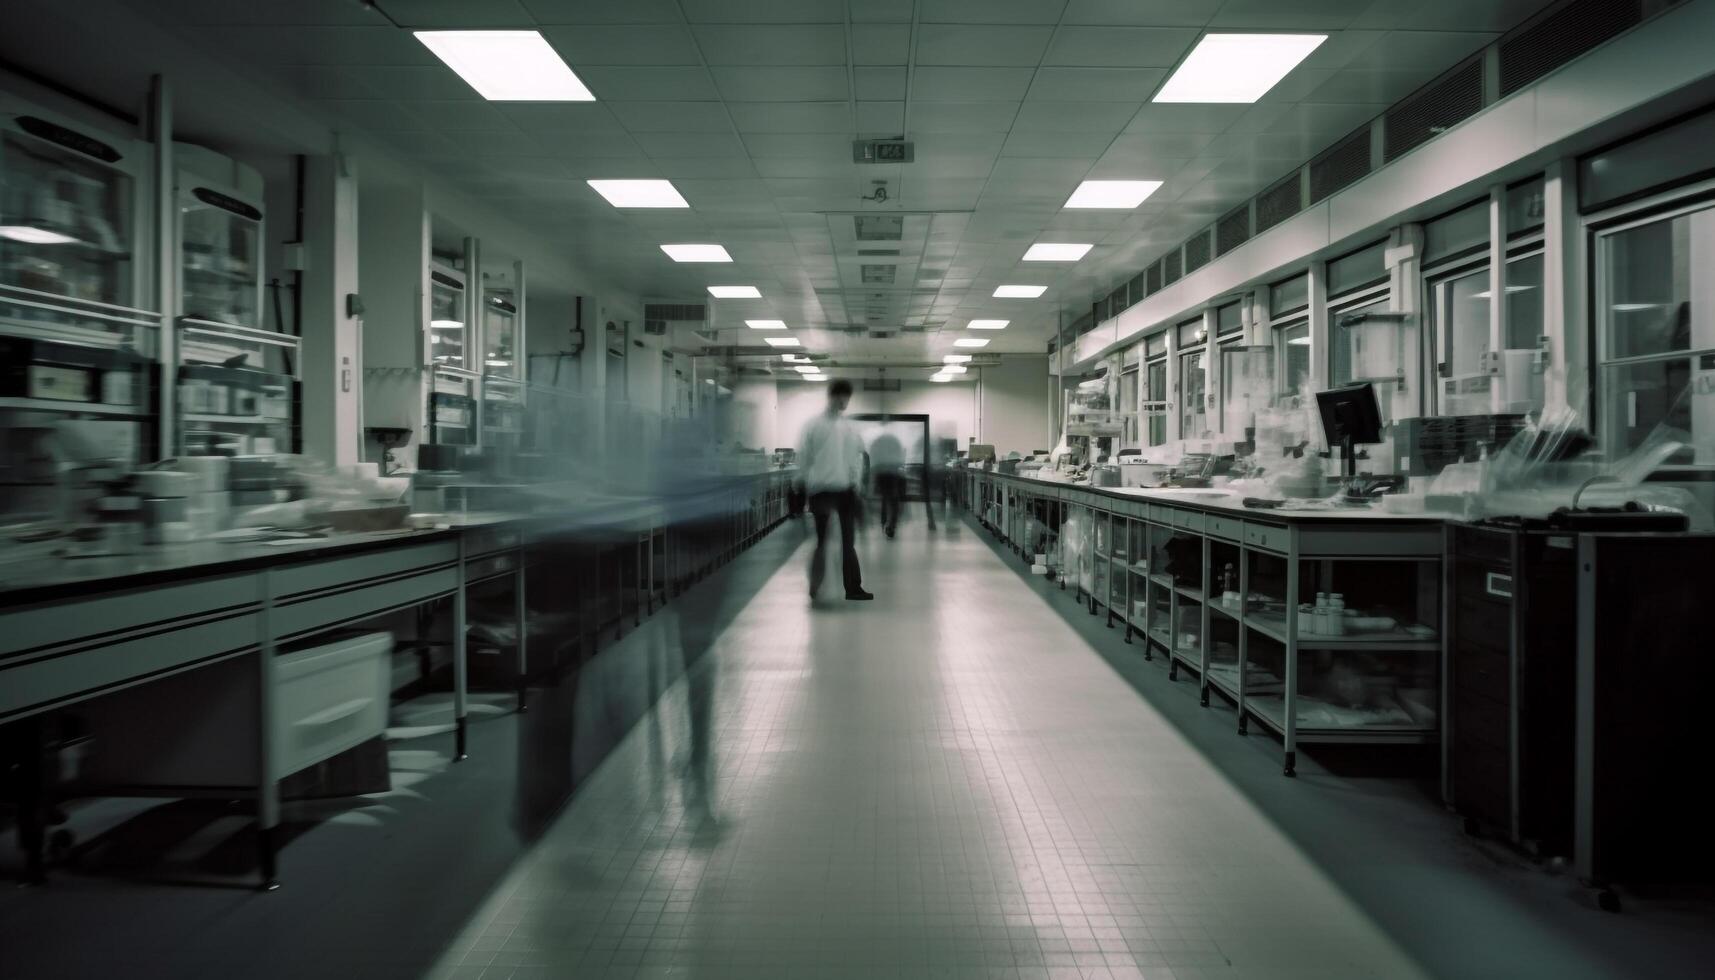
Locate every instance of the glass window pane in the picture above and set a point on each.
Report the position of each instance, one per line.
(68, 222)
(1289, 294)
(1193, 385)
(1648, 276)
(1657, 159)
(1645, 394)
(1247, 384)
(1348, 342)
(1155, 390)
(1228, 319)
(1524, 208)
(1462, 231)
(1128, 405)
(1155, 344)
(1191, 332)
(1292, 346)
(1359, 269)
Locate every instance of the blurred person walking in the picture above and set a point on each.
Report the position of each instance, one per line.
(830, 456)
(887, 469)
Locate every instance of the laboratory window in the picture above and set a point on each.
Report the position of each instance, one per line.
(1289, 295)
(1247, 385)
(1292, 354)
(1193, 386)
(1155, 391)
(1459, 318)
(1128, 406)
(1656, 331)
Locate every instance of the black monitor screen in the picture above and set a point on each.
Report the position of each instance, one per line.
(1350, 412)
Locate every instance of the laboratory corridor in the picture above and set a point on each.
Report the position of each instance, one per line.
(962, 779)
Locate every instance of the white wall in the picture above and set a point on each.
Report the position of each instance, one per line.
(1016, 404)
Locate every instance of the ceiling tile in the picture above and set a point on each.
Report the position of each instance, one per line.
(1122, 47)
(673, 117)
(1449, 15)
(991, 11)
(1133, 85)
(879, 84)
(1324, 122)
(963, 117)
(1432, 50)
(764, 11)
(1075, 117)
(460, 14)
(960, 44)
(407, 83)
(1299, 15)
(624, 44)
(730, 167)
(782, 84)
(380, 115)
(772, 44)
(1376, 87)
(1185, 118)
(882, 11)
(294, 45)
(881, 44)
(803, 146)
(639, 83)
(881, 118)
(675, 144)
(942, 84)
(792, 117)
(603, 11)
(1081, 146)
(563, 117)
(1142, 13)
(587, 145)
(476, 117)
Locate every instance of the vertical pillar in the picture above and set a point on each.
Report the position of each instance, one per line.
(1322, 338)
(160, 132)
(1566, 381)
(331, 348)
(1497, 293)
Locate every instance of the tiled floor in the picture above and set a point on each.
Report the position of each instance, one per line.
(948, 781)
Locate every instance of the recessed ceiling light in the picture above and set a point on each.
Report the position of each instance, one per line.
(766, 324)
(1116, 194)
(507, 66)
(987, 324)
(807, 369)
(953, 369)
(1019, 292)
(696, 253)
(639, 193)
(794, 358)
(735, 292)
(955, 358)
(940, 378)
(446, 324)
(1055, 252)
(971, 342)
(1236, 67)
(812, 377)
(782, 341)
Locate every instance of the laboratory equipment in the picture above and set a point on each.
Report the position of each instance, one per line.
(1350, 417)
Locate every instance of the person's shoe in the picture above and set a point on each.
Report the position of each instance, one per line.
(860, 595)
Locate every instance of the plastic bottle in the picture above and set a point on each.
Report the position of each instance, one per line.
(1337, 614)
(1319, 617)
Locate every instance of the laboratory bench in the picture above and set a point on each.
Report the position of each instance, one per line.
(217, 669)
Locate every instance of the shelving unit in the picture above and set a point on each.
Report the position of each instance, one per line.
(1375, 684)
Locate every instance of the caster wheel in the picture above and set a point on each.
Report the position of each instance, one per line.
(1607, 901)
(1289, 773)
(1204, 700)
(1173, 672)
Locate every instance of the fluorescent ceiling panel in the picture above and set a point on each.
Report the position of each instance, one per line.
(1236, 67)
(1121, 195)
(735, 292)
(794, 358)
(766, 324)
(987, 324)
(1019, 292)
(507, 66)
(940, 378)
(812, 377)
(1056, 252)
(692, 252)
(782, 341)
(956, 358)
(639, 193)
(35, 235)
(953, 369)
(446, 324)
(807, 369)
(971, 342)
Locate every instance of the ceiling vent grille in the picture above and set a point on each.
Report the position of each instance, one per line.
(1197, 251)
(675, 311)
(1561, 36)
(1170, 268)
(1340, 167)
(1152, 279)
(881, 384)
(1233, 229)
(879, 227)
(1280, 202)
(1433, 109)
(1135, 288)
(882, 334)
(877, 274)
(878, 251)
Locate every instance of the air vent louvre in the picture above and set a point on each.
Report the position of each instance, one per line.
(1561, 36)
(1433, 109)
(1152, 279)
(1197, 251)
(1135, 288)
(675, 311)
(1233, 230)
(877, 274)
(1170, 268)
(1281, 201)
(878, 251)
(1341, 166)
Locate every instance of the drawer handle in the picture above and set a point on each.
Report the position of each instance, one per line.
(1500, 585)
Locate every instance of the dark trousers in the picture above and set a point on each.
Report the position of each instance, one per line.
(891, 487)
(821, 505)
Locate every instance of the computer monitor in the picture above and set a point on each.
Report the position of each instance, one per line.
(1350, 417)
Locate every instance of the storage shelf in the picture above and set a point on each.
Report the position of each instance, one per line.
(209, 419)
(1274, 627)
(1270, 709)
(1217, 679)
(1224, 610)
(81, 408)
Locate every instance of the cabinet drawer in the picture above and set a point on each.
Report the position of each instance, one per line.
(1268, 537)
(1190, 520)
(329, 699)
(1230, 528)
